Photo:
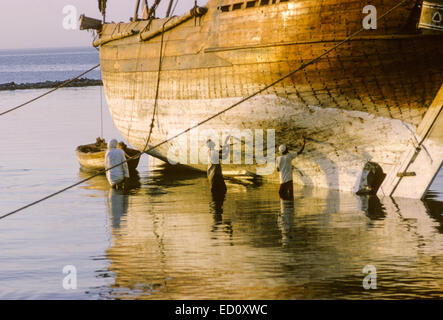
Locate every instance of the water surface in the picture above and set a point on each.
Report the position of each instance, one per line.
(38, 65)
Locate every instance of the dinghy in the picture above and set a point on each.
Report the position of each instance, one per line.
(91, 157)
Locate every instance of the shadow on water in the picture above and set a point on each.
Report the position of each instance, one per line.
(101, 183)
(434, 207)
(167, 175)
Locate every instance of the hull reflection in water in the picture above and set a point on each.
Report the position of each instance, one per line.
(172, 240)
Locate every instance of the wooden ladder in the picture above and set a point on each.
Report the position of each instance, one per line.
(420, 163)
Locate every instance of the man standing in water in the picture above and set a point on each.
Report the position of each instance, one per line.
(117, 175)
(284, 167)
(215, 176)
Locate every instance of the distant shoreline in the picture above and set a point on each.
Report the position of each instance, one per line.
(82, 82)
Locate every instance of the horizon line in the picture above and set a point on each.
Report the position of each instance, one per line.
(47, 47)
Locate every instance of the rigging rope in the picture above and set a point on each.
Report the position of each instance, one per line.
(301, 67)
(160, 62)
(158, 79)
(50, 91)
(101, 112)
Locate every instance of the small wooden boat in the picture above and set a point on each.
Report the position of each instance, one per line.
(92, 156)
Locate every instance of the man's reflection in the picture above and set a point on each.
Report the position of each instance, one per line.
(286, 220)
(372, 206)
(216, 209)
(118, 200)
(118, 206)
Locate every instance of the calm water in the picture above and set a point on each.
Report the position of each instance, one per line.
(34, 65)
(168, 239)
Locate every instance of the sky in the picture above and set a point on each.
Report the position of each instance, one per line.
(39, 23)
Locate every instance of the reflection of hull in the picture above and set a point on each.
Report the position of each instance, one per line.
(179, 244)
(421, 220)
(361, 102)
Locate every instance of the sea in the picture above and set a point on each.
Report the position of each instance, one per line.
(167, 237)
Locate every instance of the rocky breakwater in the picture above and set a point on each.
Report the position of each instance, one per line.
(82, 82)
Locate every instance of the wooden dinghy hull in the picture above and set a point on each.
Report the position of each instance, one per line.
(92, 158)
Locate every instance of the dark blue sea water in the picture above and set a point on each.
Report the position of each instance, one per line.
(168, 238)
(37, 65)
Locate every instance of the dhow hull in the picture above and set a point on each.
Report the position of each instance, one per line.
(362, 102)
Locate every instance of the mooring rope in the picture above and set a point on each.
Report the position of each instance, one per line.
(50, 91)
(160, 62)
(301, 67)
(157, 90)
(101, 113)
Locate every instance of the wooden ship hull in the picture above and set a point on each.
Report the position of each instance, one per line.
(363, 101)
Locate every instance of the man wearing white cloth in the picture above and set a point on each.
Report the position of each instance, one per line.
(117, 175)
(284, 167)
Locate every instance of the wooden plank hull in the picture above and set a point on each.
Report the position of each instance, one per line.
(91, 161)
(362, 102)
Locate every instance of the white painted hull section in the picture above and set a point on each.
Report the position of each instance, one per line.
(339, 142)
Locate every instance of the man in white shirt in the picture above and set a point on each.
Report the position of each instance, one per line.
(117, 175)
(284, 167)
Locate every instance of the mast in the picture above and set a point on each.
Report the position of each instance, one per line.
(137, 6)
(145, 10)
(168, 12)
(151, 11)
(102, 8)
